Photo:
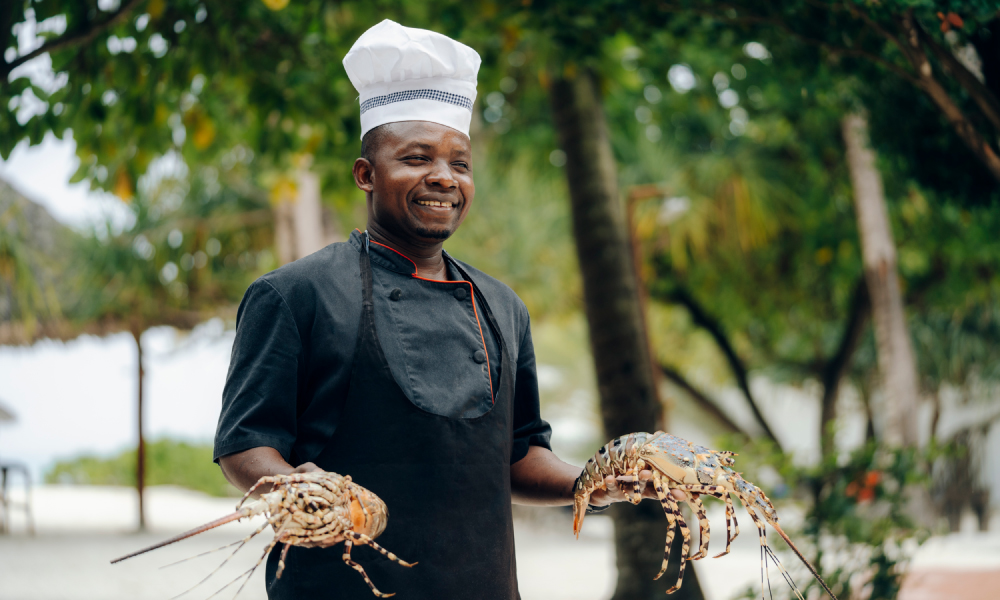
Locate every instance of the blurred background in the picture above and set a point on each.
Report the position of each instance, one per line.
(774, 227)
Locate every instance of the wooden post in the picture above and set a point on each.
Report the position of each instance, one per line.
(140, 458)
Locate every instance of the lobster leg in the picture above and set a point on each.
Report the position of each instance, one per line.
(670, 510)
(360, 538)
(636, 494)
(260, 482)
(347, 559)
(703, 527)
(685, 547)
(730, 514)
(281, 561)
(716, 491)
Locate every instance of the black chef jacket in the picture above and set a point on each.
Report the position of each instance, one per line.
(296, 332)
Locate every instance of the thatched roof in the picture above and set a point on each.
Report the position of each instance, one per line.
(33, 245)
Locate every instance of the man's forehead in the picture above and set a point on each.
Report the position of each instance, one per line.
(426, 135)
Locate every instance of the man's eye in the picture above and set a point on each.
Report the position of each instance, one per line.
(461, 164)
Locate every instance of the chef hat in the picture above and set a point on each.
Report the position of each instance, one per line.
(406, 74)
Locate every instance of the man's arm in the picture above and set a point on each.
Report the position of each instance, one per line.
(538, 477)
(243, 469)
(259, 398)
(541, 479)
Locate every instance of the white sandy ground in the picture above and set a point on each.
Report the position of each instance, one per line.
(79, 529)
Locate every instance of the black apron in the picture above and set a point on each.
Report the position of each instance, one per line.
(446, 483)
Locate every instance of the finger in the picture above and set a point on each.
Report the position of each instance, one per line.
(645, 475)
(678, 495)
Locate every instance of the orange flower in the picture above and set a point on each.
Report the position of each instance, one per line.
(950, 20)
(872, 478)
(852, 490)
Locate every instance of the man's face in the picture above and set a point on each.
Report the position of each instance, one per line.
(420, 183)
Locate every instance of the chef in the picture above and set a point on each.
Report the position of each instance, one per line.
(386, 359)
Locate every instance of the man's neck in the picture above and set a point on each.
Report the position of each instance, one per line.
(428, 259)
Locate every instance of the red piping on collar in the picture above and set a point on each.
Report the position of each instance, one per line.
(489, 374)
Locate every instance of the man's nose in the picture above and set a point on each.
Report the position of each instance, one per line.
(441, 176)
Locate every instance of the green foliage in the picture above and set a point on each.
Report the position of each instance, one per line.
(189, 249)
(518, 201)
(168, 462)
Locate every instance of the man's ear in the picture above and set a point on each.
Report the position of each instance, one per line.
(364, 175)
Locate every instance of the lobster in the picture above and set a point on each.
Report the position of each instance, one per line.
(304, 509)
(678, 464)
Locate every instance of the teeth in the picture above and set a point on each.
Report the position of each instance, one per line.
(433, 203)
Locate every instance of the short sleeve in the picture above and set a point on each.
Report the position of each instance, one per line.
(259, 398)
(529, 428)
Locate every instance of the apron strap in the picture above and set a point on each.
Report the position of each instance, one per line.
(366, 276)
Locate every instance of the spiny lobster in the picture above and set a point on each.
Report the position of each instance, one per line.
(678, 464)
(305, 508)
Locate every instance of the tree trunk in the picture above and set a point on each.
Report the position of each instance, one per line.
(625, 378)
(308, 211)
(835, 368)
(140, 455)
(896, 362)
(302, 225)
(284, 231)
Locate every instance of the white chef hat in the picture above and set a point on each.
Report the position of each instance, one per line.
(407, 74)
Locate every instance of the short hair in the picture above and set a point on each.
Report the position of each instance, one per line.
(372, 140)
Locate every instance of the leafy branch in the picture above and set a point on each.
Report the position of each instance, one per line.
(80, 37)
(701, 318)
(700, 398)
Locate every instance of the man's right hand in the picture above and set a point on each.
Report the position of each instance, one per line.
(307, 468)
(244, 469)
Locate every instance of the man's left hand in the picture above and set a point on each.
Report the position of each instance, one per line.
(616, 491)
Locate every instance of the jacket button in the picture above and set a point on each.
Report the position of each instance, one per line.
(395, 294)
(479, 356)
(461, 293)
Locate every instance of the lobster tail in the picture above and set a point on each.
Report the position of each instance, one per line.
(803, 559)
(579, 511)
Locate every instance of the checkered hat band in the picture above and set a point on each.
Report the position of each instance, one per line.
(438, 95)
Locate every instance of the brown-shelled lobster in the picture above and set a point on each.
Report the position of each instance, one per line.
(306, 508)
(679, 464)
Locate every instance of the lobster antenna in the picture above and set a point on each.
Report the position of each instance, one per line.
(803, 559)
(167, 566)
(236, 516)
(788, 578)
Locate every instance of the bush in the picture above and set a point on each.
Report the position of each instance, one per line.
(168, 462)
(857, 531)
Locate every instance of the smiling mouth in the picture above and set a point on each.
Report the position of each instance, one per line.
(435, 203)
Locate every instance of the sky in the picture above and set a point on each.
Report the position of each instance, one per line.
(42, 172)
